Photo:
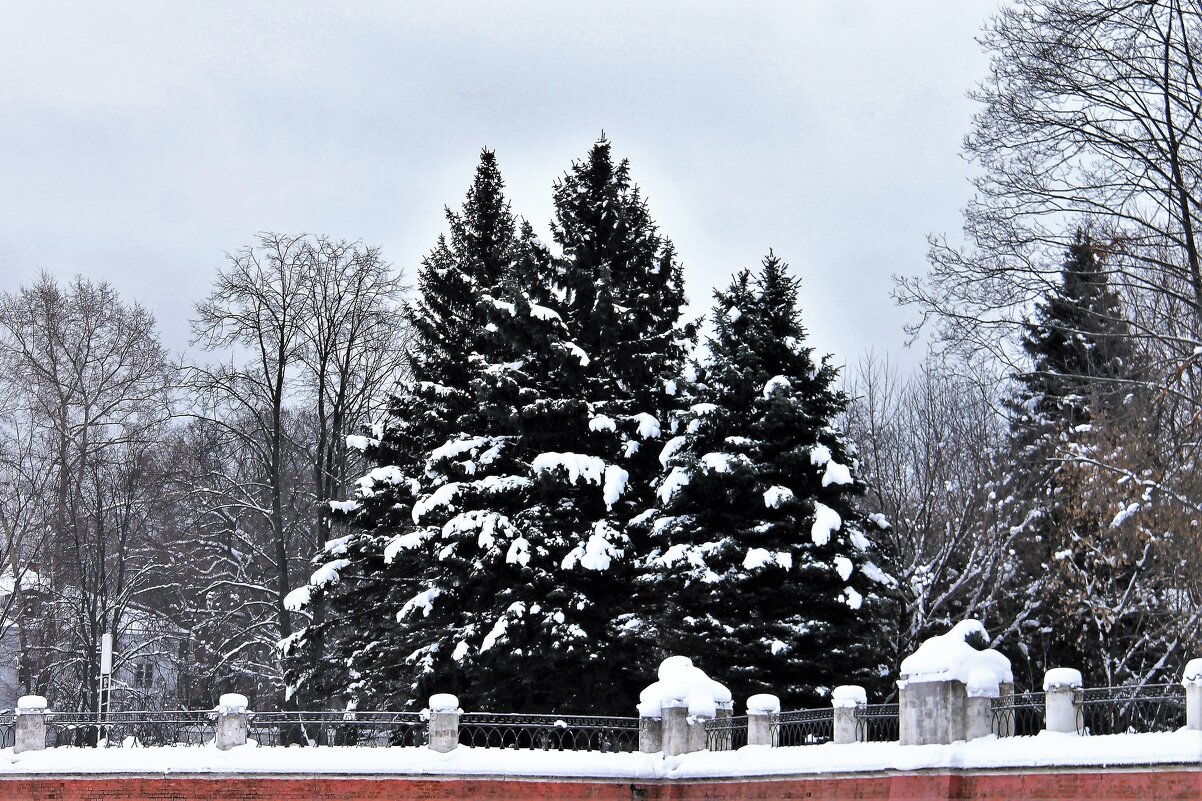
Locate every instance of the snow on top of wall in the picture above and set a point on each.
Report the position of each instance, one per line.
(949, 657)
(1062, 678)
(764, 704)
(680, 683)
(847, 695)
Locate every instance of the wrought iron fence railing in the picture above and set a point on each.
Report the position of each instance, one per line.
(549, 732)
(726, 734)
(878, 723)
(359, 729)
(1135, 708)
(131, 729)
(805, 727)
(1018, 715)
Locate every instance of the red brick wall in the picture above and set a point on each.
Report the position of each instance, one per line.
(1166, 785)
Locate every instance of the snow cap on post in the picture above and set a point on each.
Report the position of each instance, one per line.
(763, 704)
(681, 684)
(1062, 679)
(31, 705)
(444, 702)
(950, 657)
(232, 704)
(848, 695)
(1192, 676)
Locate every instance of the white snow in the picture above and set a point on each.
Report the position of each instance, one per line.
(458, 447)
(444, 702)
(575, 350)
(777, 647)
(602, 422)
(846, 695)
(675, 480)
(852, 598)
(615, 485)
(403, 542)
(1062, 678)
(843, 567)
(670, 448)
(577, 466)
(595, 554)
(874, 573)
(298, 599)
(232, 703)
(681, 684)
(328, 573)
(648, 425)
(717, 462)
(359, 442)
(703, 409)
(733, 314)
(31, 704)
(517, 609)
(1124, 515)
(760, 557)
(1192, 675)
(949, 657)
(543, 313)
(775, 497)
(857, 539)
(440, 497)
(424, 601)
(820, 455)
(519, 552)
(763, 704)
(460, 652)
(880, 521)
(778, 383)
(826, 520)
(836, 474)
(344, 506)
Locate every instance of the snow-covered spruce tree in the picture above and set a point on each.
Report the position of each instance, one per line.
(761, 564)
(1082, 368)
(369, 583)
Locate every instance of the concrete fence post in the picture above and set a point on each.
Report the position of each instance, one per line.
(650, 729)
(1059, 687)
(762, 713)
(233, 721)
(29, 727)
(1191, 679)
(674, 716)
(846, 700)
(444, 722)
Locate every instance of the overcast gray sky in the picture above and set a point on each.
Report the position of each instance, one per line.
(141, 140)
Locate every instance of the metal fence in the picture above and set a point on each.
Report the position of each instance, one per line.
(549, 732)
(1136, 708)
(805, 727)
(878, 723)
(131, 729)
(1018, 715)
(357, 729)
(726, 734)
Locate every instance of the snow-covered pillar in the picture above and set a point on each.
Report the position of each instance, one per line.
(845, 701)
(1059, 687)
(444, 722)
(1191, 679)
(29, 727)
(762, 711)
(651, 727)
(232, 721)
(674, 716)
(697, 731)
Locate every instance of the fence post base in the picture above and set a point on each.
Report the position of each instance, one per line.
(444, 722)
(1059, 687)
(762, 712)
(29, 726)
(232, 721)
(846, 700)
(675, 721)
(651, 734)
(1191, 679)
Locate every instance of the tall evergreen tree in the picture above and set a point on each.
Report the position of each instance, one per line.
(760, 566)
(1082, 372)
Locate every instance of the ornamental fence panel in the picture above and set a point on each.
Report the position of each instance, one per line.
(1018, 714)
(1129, 709)
(878, 723)
(804, 727)
(726, 734)
(338, 729)
(131, 729)
(549, 732)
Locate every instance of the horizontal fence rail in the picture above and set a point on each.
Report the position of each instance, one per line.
(1018, 715)
(358, 729)
(1118, 710)
(549, 732)
(805, 727)
(726, 734)
(878, 723)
